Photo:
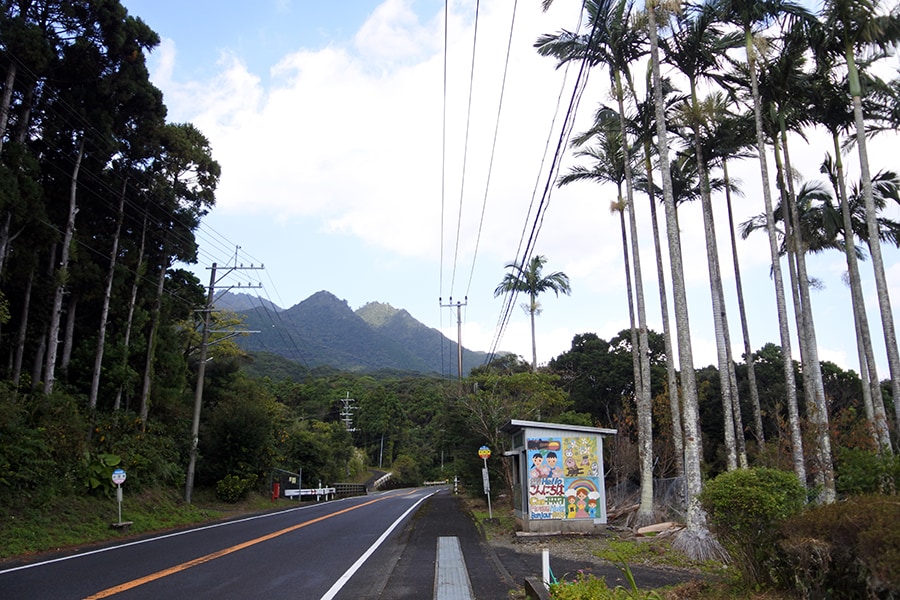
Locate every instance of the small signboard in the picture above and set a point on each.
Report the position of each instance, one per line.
(118, 476)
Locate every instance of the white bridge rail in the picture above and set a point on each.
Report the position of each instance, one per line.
(319, 493)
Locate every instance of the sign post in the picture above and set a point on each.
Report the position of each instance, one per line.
(118, 478)
(485, 453)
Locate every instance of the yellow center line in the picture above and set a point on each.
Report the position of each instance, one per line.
(204, 559)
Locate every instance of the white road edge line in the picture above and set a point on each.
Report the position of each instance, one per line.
(343, 579)
(168, 535)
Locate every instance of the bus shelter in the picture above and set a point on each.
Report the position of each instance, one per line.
(558, 476)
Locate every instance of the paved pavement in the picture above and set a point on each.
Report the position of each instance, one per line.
(493, 571)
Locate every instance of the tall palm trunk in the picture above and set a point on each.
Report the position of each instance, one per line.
(884, 299)
(872, 397)
(643, 398)
(695, 539)
(55, 314)
(758, 432)
(790, 383)
(671, 378)
(720, 321)
(817, 410)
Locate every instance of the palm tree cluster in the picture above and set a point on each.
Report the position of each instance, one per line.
(100, 196)
(744, 80)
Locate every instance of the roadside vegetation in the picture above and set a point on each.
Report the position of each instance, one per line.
(113, 358)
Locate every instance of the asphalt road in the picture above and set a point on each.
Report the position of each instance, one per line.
(378, 547)
(312, 551)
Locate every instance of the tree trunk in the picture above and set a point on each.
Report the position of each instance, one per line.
(643, 397)
(107, 295)
(68, 341)
(872, 396)
(138, 275)
(62, 276)
(783, 330)
(23, 328)
(695, 540)
(531, 311)
(819, 413)
(715, 284)
(884, 299)
(6, 99)
(671, 378)
(151, 347)
(748, 348)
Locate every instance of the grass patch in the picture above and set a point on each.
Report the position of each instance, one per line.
(79, 520)
(500, 525)
(651, 552)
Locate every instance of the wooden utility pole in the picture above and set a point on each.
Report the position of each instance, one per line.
(201, 370)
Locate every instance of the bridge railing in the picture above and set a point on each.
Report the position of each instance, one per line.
(326, 493)
(344, 490)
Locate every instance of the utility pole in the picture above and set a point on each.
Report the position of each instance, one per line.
(458, 306)
(347, 412)
(201, 368)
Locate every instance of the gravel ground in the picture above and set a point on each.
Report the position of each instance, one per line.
(521, 556)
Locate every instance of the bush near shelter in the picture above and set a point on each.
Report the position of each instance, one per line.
(745, 508)
(849, 549)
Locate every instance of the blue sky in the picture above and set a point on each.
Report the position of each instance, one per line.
(327, 119)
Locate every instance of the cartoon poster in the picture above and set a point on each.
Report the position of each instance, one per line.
(563, 478)
(546, 488)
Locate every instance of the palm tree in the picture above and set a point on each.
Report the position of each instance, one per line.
(873, 401)
(850, 26)
(645, 128)
(727, 137)
(830, 108)
(695, 49)
(694, 539)
(530, 280)
(609, 166)
(751, 16)
(786, 86)
(617, 43)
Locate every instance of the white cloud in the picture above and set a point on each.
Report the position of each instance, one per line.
(349, 140)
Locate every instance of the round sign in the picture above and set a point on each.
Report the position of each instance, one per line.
(484, 452)
(118, 476)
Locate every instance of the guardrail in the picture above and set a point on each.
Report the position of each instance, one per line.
(349, 489)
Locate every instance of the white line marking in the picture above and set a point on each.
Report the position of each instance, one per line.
(168, 535)
(342, 581)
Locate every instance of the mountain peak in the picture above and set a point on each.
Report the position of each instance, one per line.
(378, 314)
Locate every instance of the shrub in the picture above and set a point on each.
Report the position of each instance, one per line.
(746, 507)
(233, 489)
(864, 472)
(406, 471)
(848, 549)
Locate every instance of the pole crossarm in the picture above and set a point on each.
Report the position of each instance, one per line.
(458, 305)
(205, 343)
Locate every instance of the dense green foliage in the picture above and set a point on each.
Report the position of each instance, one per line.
(745, 508)
(848, 549)
(100, 197)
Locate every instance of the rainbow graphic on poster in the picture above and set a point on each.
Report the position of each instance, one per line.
(582, 498)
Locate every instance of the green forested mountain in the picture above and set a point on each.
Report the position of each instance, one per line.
(324, 331)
